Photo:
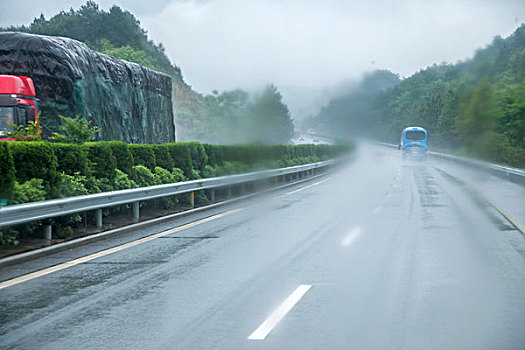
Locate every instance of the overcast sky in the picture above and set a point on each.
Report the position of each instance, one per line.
(224, 44)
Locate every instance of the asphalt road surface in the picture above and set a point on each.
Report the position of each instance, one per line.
(380, 254)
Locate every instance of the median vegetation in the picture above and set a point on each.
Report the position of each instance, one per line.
(35, 171)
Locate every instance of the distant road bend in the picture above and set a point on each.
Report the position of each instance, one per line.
(379, 254)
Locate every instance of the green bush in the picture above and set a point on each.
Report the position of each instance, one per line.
(35, 160)
(75, 130)
(71, 158)
(102, 162)
(178, 175)
(163, 176)
(210, 171)
(163, 157)
(143, 155)
(35, 171)
(29, 191)
(123, 182)
(180, 154)
(199, 159)
(9, 236)
(70, 186)
(143, 177)
(122, 155)
(215, 154)
(7, 173)
(94, 185)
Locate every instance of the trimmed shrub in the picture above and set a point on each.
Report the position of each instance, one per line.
(71, 158)
(180, 154)
(7, 173)
(198, 156)
(102, 162)
(35, 160)
(143, 155)
(122, 155)
(215, 155)
(143, 177)
(163, 157)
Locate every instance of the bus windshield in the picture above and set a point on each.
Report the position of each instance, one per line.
(415, 135)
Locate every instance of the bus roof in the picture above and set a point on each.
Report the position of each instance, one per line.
(414, 128)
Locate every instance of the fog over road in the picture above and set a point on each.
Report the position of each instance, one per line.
(379, 254)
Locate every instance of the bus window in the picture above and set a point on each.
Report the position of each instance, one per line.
(415, 135)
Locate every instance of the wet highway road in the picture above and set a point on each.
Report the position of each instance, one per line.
(380, 254)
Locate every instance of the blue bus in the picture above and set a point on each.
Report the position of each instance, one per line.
(414, 143)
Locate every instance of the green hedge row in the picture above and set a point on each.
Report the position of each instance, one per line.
(23, 161)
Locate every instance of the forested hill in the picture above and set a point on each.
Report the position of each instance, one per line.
(115, 32)
(476, 107)
(226, 117)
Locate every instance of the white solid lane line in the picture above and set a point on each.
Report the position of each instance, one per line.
(267, 326)
(65, 265)
(105, 252)
(352, 236)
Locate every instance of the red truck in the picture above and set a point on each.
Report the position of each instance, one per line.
(18, 103)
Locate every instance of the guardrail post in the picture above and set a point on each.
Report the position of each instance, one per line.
(229, 191)
(243, 188)
(98, 218)
(136, 211)
(192, 200)
(48, 232)
(212, 195)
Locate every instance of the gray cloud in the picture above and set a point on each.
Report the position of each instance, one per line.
(223, 44)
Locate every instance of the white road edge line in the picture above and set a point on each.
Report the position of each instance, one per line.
(352, 236)
(105, 252)
(65, 265)
(269, 324)
(304, 188)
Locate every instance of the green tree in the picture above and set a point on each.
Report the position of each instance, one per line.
(476, 121)
(271, 119)
(75, 130)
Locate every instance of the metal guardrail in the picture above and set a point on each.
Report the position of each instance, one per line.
(22, 213)
(509, 173)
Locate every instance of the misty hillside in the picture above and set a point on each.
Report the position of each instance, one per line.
(476, 107)
(227, 117)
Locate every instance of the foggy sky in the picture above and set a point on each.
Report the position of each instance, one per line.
(225, 44)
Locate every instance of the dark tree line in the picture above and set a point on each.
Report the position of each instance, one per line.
(236, 117)
(475, 107)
